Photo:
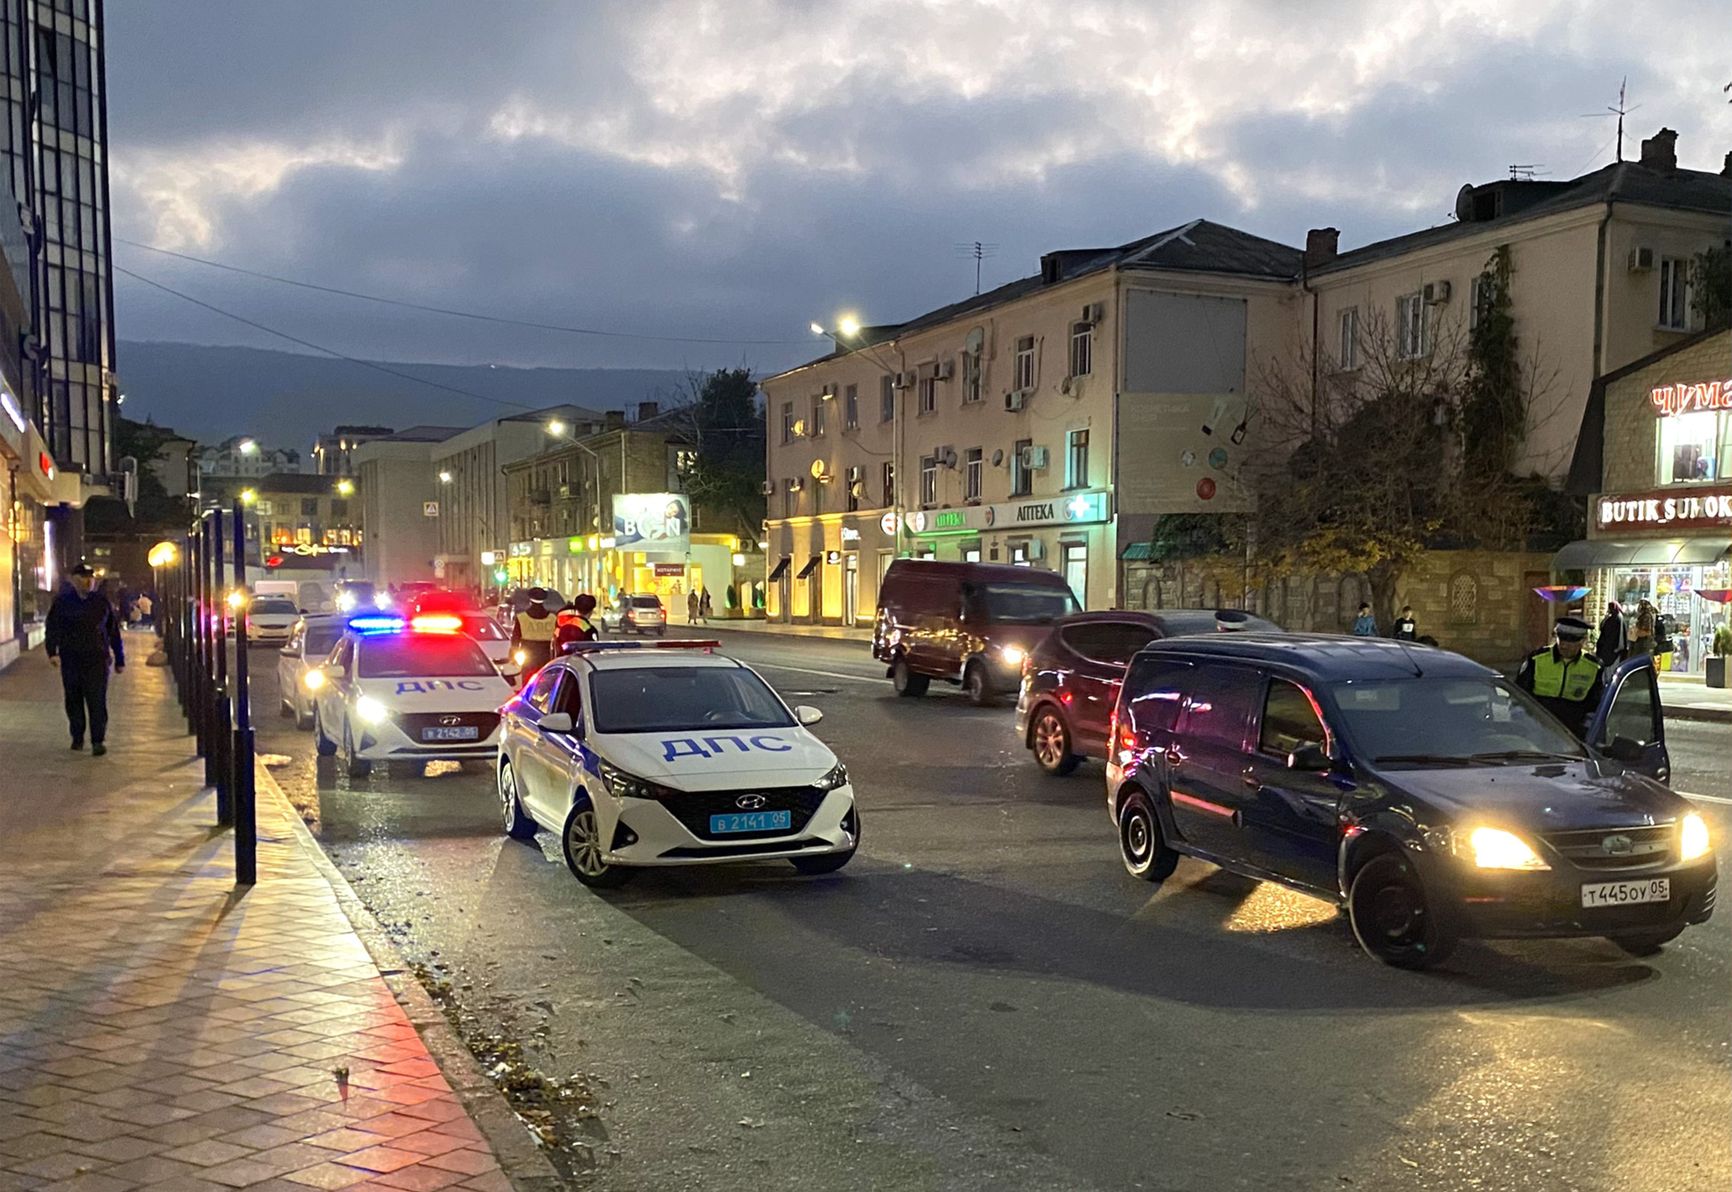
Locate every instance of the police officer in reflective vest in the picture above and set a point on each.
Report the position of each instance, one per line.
(1565, 677)
(574, 624)
(532, 634)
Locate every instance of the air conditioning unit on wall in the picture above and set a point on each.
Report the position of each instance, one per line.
(903, 380)
(1436, 292)
(1013, 401)
(1641, 260)
(1093, 313)
(1034, 457)
(1036, 548)
(945, 370)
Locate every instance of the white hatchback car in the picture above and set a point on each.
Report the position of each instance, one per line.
(271, 620)
(643, 754)
(314, 638)
(390, 692)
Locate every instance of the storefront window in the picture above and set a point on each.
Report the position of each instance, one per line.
(1673, 593)
(1694, 447)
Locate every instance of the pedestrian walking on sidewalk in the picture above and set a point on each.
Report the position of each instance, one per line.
(1406, 628)
(83, 639)
(692, 607)
(1364, 625)
(704, 607)
(1614, 636)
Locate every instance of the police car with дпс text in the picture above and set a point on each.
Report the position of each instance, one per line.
(394, 690)
(643, 754)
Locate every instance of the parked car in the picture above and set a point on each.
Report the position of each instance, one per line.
(636, 612)
(271, 620)
(1424, 793)
(1070, 681)
(311, 643)
(971, 624)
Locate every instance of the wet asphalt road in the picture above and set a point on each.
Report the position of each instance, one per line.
(984, 998)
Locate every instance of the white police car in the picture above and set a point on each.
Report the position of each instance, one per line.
(395, 691)
(666, 753)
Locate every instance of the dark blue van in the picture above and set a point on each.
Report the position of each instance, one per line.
(1419, 790)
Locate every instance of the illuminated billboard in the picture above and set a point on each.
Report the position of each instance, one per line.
(656, 523)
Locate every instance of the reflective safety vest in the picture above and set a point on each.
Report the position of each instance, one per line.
(535, 629)
(1556, 679)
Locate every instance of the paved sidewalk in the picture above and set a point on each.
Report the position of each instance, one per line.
(1689, 698)
(161, 1030)
(778, 629)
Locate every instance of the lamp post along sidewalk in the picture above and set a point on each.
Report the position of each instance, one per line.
(241, 747)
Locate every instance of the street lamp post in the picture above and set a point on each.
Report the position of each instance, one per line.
(848, 327)
(558, 430)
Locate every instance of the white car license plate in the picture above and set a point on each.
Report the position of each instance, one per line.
(1655, 889)
(467, 732)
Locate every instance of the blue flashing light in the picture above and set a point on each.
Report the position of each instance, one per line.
(374, 623)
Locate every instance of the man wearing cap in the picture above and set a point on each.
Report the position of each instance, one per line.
(1565, 677)
(83, 637)
(532, 633)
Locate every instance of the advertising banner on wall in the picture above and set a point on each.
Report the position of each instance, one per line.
(656, 523)
(1183, 452)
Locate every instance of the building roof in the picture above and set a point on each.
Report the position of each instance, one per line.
(307, 483)
(424, 434)
(1520, 201)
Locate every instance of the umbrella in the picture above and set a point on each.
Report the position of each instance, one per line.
(1717, 595)
(1562, 593)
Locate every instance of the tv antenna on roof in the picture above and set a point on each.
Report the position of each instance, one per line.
(1620, 111)
(979, 251)
(1525, 173)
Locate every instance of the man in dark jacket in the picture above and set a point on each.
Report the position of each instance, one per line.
(1609, 649)
(83, 638)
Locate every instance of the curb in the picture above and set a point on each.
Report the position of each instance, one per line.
(519, 1156)
(1700, 715)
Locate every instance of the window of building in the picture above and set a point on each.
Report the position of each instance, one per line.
(818, 487)
(1347, 349)
(971, 554)
(1076, 459)
(971, 474)
(1082, 349)
(886, 398)
(856, 487)
(1021, 475)
(928, 390)
(1025, 362)
(309, 506)
(928, 480)
(1694, 447)
(790, 499)
(887, 476)
(970, 376)
(1481, 293)
(787, 422)
(1411, 332)
(1075, 562)
(851, 408)
(1675, 293)
(820, 411)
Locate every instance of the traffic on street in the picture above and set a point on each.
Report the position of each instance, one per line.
(984, 995)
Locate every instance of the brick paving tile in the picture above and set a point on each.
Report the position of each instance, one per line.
(186, 1183)
(442, 1109)
(460, 1128)
(120, 1150)
(429, 1142)
(261, 1137)
(379, 1159)
(393, 1124)
(240, 1173)
(32, 1146)
(328, 1176)
(468, 1162)
(418, 1178)
(208, 1153)
(152, 1170)
(58, 1166)
(347, 1140)
(90, 1182)
(492, 1181)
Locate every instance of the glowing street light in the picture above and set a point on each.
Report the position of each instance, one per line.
(444, 477)
(249, 495)
(848, 326)
(556, 427)
(248, 447)
(818, 329)
(345, 487)
(163, 554)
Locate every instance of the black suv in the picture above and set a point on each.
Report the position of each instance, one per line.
(1070, 681)
(1421, 791)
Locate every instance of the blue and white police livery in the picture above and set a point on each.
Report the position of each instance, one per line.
(397, 691)
(642, 754)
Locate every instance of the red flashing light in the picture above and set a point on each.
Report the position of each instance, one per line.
(436, 623)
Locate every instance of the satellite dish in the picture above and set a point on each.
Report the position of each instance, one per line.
(976, 340)
(998, 457)
(1464, 203)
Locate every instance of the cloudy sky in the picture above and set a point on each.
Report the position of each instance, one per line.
(733, 169)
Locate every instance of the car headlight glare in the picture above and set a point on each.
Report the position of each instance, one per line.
(1012, 654)
(520, 657)
(838, 776)
(1692, 837)
(371, 710)
(1494, 848)
(313, 680)
(630, 786)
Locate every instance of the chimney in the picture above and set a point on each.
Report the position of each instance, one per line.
(1726, 167)
(1660, 151)
(615, 419)
(1049, 269)
(1321, 246)
(646, 410)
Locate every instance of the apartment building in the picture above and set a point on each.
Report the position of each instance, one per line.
(1044, 423)
(399, 491)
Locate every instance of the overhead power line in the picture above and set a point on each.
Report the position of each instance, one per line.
(459, 314)
(307, 343)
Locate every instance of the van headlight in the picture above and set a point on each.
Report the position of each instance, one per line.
(313, 680)
(1692, 837)
(1494, 848)
(838, 776)
(1012, 655)
(371, 710)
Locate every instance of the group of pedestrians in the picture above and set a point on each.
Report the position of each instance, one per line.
(698, 606)
(1626, 635)
(1406, 625)
(540, 633)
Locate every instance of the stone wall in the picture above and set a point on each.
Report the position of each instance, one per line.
(1478, 603)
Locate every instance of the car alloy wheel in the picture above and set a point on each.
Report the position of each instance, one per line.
(322, 742)
(1392, 917)
(906, 682)
(975, 685)
(518, 826)
(583, 850)
(1052, 744)
(358, 767)
(1141, 846)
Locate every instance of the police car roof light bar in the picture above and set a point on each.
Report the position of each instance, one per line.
(436, 623)
(375, 623)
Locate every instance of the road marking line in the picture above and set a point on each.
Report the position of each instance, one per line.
(1706, 798)
(806, 671)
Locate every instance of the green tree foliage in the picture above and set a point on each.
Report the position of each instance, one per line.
(155, 509)
(1494, 409)
(720, 416)
(1711, 285)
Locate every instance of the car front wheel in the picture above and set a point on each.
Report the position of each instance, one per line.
(1050, 741)
(581, 842)
(1142, 847)
(322, 743)
(977, 685)
(357, 766)
(906, 682)
(1392, 917)
(1646, 943)
(518, 826)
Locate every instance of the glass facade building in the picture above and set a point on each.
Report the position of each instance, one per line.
(54, 135)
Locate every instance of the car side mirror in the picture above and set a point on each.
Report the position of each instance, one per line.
(1309, 757)
(806, 714)
(555, 722)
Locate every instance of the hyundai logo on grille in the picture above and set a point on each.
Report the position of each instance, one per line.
(1617, 846)
(750, 802)
(451, 720)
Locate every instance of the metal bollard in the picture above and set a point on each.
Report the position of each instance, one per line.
(242, 776)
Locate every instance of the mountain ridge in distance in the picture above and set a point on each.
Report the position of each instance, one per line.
(284, 399)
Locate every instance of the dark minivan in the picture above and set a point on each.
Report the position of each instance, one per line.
(965, 623)
(1071, 680)
(1424, 793)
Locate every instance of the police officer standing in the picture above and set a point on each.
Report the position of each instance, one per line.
(574, 624)
(532, 633)
(83, 636)
(1564, 676)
